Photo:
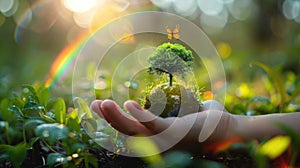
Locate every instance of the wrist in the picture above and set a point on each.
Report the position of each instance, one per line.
(225, 128)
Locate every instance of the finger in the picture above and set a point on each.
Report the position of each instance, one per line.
(95, 106)
(122, 121)
(113, 113)
(148, 119)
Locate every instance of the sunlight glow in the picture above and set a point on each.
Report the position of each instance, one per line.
(79, 5)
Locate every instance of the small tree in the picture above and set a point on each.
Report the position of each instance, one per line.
(170, 59)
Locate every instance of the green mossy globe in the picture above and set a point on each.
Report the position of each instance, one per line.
(171, 101)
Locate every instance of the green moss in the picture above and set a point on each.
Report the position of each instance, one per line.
(171, 101)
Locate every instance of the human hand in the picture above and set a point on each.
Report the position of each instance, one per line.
(181, 132)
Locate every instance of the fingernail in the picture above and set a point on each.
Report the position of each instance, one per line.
(135, 105)
(95, 104)
(107, 103)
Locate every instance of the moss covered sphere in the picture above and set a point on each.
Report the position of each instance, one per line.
(171, 101)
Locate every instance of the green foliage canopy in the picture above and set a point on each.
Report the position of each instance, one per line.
(173, 59)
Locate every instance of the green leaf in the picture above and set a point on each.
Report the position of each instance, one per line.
(239, 109)
(15, 154)
(90, 160)
(277, 80)
(258, 99)
(47, 118)
(56, 159)
(275, 146)
(83, 109)
(30, 126)
(295, 141)
(30, 92)
(17, 112)
(44, 96)
(60, 110)
(6, 114)
(89, 124)
(210, 164)
(295, 93)
(91, 69)
(33, 106)
(292, 133)
(145, 147)
(5, 104)
(178, 159)
(52, 132)
(78, 148)
(18, 101)
(72, 121)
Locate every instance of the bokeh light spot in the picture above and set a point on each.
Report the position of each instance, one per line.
(212, 7)
(75, 155)
(275, 146)
(84, 19)
(242, 9)
(226, 1)
(101, 85)
(79, 5)
(208, 95)
(9, 7)
(291, 9)
(214, 23)
(244, 91)
(164, 4)
(185, 8)
(46, 133)
(127, 84)
(6, 5)
(224, 49)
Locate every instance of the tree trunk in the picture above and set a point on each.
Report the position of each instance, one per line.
(171, 79)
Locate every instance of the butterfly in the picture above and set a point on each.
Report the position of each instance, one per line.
(127, 38)
(173, 34)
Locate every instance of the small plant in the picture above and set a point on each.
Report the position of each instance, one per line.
(170, 99)
(171, 59)
(39, 131)
(283, 92)
(282, 96)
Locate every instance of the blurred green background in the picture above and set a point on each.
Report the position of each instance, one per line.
(33, 33)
